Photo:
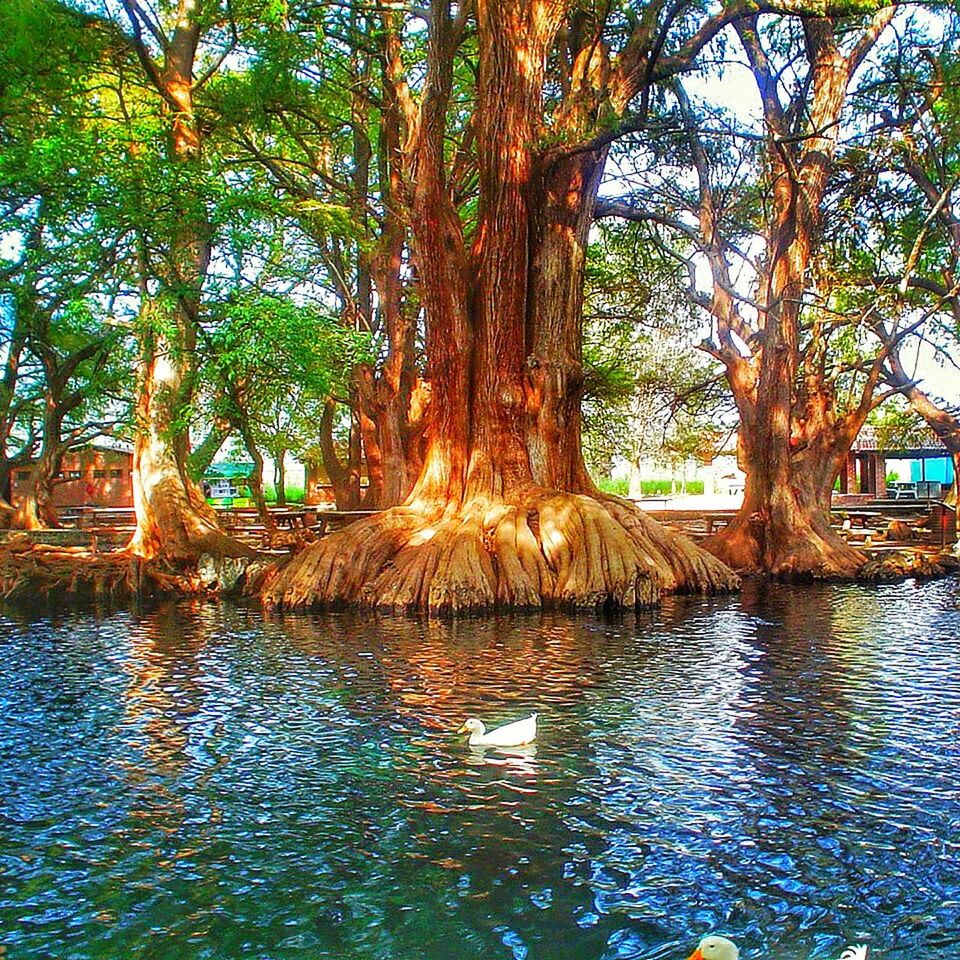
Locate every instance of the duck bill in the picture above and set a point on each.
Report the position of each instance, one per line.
(696, 955)
(463, 729)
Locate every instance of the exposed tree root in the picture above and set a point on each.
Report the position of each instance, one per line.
(793, 552)
(551, 549)
(899, 564)
(32, 572)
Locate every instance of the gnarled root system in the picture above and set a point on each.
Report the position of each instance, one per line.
(551, 549)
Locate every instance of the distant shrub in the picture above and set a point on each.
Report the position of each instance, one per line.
(295, 494)
(618, 486)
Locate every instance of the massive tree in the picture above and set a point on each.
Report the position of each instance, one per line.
(173, 520)
(784, 343)
(504, 511)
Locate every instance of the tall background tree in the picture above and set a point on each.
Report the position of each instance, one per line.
(803, 370)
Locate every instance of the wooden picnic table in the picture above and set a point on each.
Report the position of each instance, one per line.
(328, 520)
(859, 518)
(88, 515)
(249, 516)
(290, 517)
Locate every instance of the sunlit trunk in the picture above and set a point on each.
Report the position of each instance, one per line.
(174, 521)
(793, 438)
(36, 511)
(502, 513)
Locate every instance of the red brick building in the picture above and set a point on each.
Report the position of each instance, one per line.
(99, 474)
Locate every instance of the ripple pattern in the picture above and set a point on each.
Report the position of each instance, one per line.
(197, 781)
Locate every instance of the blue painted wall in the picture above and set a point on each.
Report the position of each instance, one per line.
(940, 469)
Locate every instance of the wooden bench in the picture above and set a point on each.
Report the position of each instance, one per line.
(328, 520)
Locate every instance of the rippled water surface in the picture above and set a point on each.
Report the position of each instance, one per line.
(201, 782)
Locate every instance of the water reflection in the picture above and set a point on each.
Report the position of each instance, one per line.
(197, 781)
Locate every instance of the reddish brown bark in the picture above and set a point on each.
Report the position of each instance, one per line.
(503, 512)
(793, 438)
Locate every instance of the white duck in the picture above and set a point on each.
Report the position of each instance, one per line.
(720, 948)
(715, 948)
(514, 734)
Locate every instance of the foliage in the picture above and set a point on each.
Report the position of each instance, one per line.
(646, 388)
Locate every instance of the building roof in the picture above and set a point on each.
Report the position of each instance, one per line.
(921, 443)
(229, 471)
(111, 443)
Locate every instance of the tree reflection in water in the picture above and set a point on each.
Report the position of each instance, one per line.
(197, 781)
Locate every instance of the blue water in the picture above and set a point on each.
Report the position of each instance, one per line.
(200, 781)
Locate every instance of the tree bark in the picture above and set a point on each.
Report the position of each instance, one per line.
(503, 513)
(36, 510)
(174, 521)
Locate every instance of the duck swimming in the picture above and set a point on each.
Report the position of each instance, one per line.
(720, 948)
(715, 948)
(514, 734)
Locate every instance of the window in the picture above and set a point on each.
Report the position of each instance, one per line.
(23, 474)
(73, 474)
(99, 474)
(116, 474)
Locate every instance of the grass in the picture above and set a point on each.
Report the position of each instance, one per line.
(620, 486)
(295, 494)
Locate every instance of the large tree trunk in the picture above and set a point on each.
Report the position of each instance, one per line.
(792, 437)
(502, 513)
(36, 511)
(784, 528)
(555, 362)
(174, 521)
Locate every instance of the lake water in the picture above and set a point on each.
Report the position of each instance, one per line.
(199, 781)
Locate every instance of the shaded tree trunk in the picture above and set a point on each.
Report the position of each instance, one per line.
(174, 521)
(280, 476)
(256, 477)
(345, 480)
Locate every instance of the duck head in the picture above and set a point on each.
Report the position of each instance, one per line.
(472, 726)
(716, 948)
